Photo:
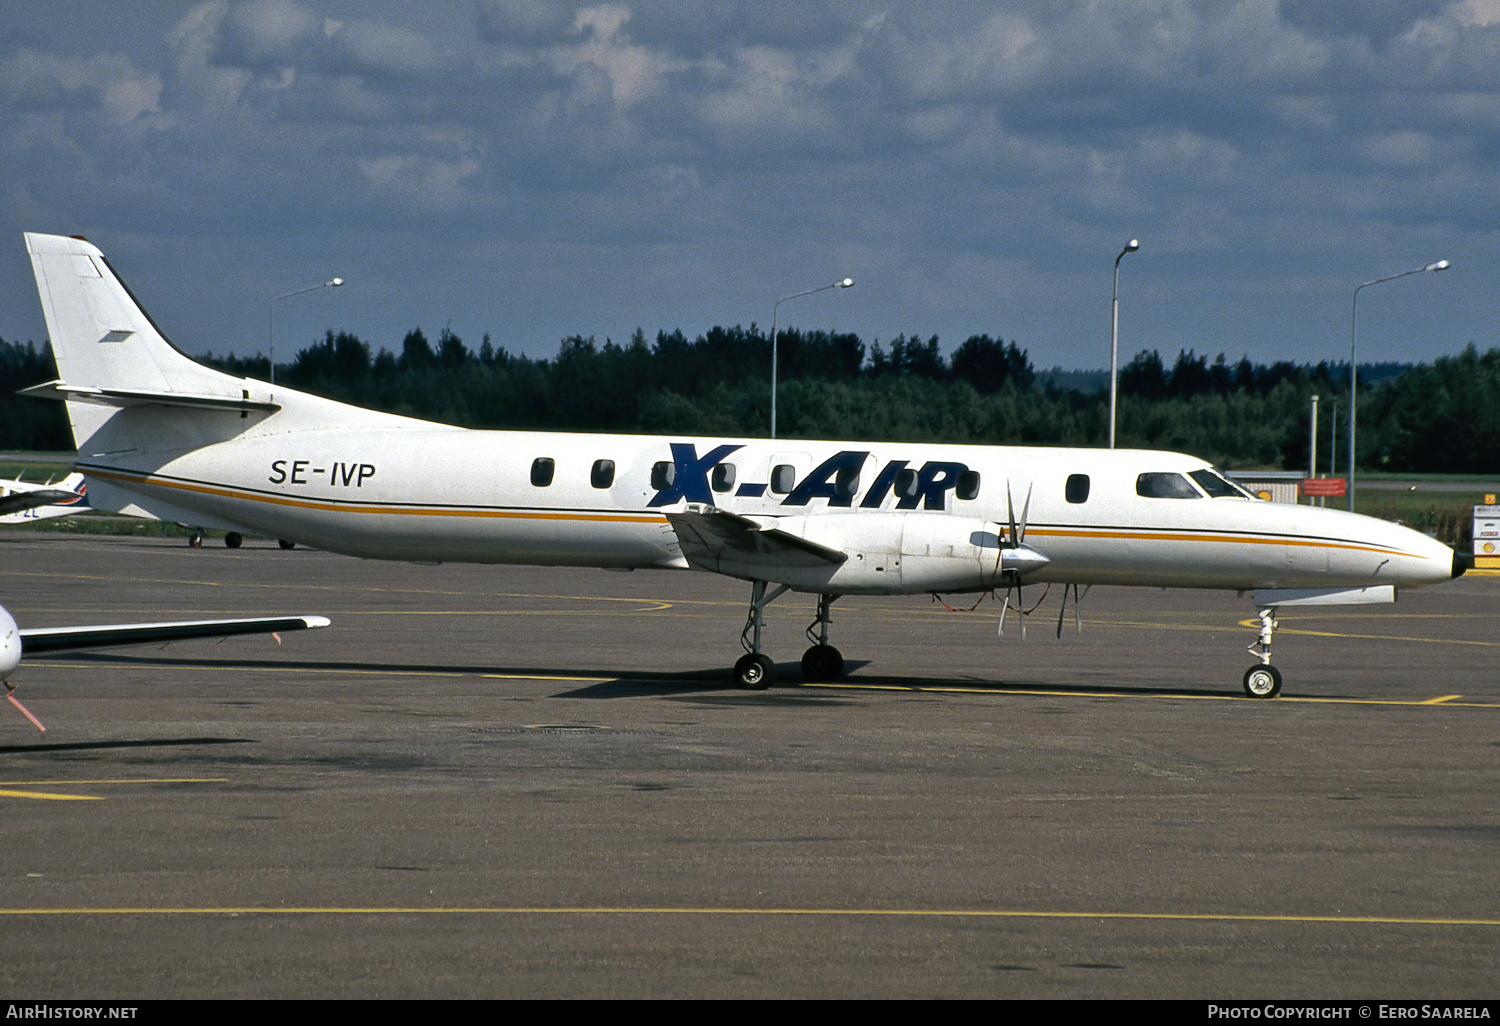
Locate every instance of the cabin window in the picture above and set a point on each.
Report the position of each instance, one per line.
(722, 478)
(662, 475)
(846, 482)
(542, 469)
(603, 474)
(1165, 486)
(968, 485)
(906, 483)
(783, 478)
(1216, 485)
(1077, 488)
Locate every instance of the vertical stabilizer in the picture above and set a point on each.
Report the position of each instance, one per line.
(102, 339)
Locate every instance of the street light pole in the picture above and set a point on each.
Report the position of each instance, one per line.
(1312, 456)
(1114, 338)
(331, 283)
(843, 283)
(1436, 265)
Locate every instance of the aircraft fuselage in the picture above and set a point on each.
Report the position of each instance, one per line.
(912, 517)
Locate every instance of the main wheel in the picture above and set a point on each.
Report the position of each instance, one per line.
(755, 672)
(195, 540)
(1263, 681)
(822, 662)
(233, 540)
(286, 544)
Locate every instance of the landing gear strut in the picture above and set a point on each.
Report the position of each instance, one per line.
(755, 670)
(1263, 680)
(822, 661)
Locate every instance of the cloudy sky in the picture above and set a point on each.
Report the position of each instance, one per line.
(534, 169)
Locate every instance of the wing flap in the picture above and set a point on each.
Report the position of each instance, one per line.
(712, 538)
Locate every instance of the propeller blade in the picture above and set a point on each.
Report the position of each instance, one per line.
(1013, 587)
(1011, 506)
(1025, 508)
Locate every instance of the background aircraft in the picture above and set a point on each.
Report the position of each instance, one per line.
(16, 643)
(22, 501)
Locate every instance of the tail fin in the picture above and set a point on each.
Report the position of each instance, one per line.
(109, 352)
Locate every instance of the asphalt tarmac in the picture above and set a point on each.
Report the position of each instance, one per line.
(514, 782)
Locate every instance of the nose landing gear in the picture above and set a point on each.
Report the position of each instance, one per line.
(1264, 680)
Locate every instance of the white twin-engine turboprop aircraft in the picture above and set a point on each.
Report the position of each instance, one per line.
(24, 501)
(161, 435)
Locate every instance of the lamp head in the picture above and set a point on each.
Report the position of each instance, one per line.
(849, 282)
(333, 283)
(1132, 245)
(1440, 265)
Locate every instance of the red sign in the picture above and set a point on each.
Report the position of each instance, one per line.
(1322, 486)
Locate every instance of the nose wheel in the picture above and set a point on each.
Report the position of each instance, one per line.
(1262, 681)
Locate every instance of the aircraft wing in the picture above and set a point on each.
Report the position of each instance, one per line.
(37, 641)
(17, 502)
(712, 537)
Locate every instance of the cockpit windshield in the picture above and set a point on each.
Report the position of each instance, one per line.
(1165, 486)
(1217, 486)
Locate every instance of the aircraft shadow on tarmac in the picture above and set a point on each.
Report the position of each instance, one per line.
(636, 684)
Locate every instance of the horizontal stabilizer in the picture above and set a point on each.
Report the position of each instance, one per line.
(711, 537)
(127, 397)
(38, 641)
(1266, 598)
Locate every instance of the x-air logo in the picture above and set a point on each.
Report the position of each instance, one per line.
(836, 480)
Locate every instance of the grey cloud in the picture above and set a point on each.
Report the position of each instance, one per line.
(1377, 21)
(262, 33)
(524, 22)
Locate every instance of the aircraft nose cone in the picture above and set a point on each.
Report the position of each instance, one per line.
(10, 645)
(1462, 562)
(1023, 559)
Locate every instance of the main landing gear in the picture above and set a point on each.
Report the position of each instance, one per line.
(1263, 680)
(756, 671)
(822, 661)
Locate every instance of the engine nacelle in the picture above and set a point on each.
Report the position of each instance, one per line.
(899, 552)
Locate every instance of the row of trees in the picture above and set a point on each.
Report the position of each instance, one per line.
(1443, 416)
(29, 423)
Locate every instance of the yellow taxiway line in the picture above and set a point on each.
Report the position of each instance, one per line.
(44, 796)
(5, 786)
